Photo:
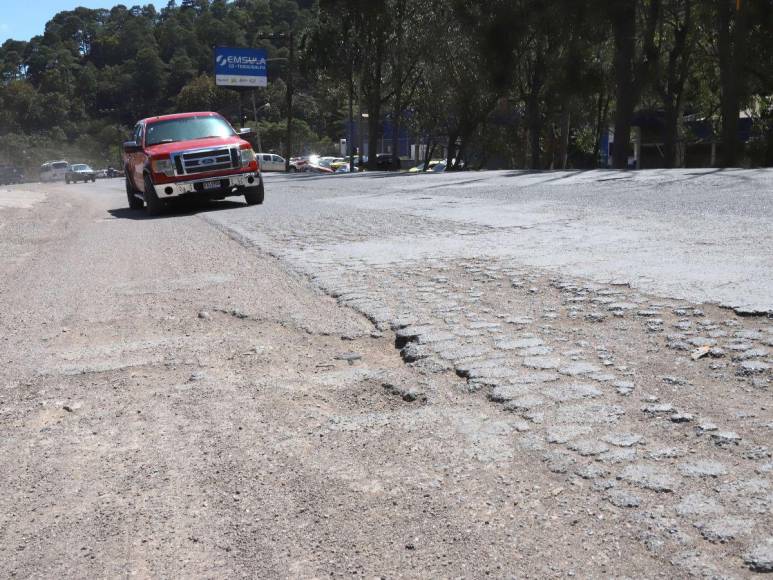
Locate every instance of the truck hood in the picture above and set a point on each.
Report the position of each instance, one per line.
(168, 148)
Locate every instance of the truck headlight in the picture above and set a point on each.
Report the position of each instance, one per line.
(162, 166)
(247, 156)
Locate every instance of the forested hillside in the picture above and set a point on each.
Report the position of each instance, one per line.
(527, 83)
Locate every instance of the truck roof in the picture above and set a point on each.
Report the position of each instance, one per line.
(180, 116)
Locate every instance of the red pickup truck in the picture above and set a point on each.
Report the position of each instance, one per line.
(189, 154)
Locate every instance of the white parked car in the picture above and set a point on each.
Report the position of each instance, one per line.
(271, 162)
(54, 170)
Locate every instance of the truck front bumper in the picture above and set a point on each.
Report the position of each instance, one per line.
(223, 186)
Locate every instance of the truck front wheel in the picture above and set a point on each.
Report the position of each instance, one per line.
(255, 195)
(134, 201)
(153, 205)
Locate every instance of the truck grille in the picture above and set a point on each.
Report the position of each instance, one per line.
(192, 162)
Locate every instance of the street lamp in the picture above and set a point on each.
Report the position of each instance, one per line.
(255, 111)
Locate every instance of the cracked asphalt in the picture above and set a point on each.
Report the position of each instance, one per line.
(504, 373)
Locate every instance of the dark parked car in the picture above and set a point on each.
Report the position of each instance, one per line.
(384, 162)
(80, 172)
(387, 163)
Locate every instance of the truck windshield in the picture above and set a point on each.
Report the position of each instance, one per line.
(186, 129)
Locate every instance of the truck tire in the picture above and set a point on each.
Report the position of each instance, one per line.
(134, 201)
(254, 195)
(153, 205)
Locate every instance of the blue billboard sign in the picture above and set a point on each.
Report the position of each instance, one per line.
(240, 67)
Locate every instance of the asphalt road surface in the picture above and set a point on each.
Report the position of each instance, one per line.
(483, 374)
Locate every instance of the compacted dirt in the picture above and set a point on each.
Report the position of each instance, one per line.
(174, 403)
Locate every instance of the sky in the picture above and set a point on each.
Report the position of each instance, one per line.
(23, 22)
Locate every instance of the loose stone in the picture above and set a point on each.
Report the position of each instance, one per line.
(578, 368)
(565, 433)
(703, 469)
(697, 504)
(648, 477)
(724, 529)
(541, 362)
(525, 403)
(681, 417)
(588, 447)
(591, 471)
(512, 344)
(572, 392)
(723, 438)
(623, 499)
(658, 409)
(623, 439)
(752, 368)
(623, 388)
(760, 557)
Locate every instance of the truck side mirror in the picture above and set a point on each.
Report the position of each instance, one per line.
(131, 147)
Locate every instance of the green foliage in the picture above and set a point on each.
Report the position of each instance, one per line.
(508, 82)
(75, 91)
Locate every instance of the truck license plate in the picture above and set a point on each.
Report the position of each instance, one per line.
(211, 185)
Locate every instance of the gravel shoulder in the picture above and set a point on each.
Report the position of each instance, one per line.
(217, 393)
(174, 404)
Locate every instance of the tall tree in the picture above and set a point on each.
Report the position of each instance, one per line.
(632, 65)
(731, 44)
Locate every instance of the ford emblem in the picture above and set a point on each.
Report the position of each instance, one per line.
(208, 161)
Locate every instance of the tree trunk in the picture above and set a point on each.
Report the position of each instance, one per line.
(535, 129)
(373, 89)
(374, 131)
(563, 150)
(451, 152)
(601, 115)
(396, 139)
(731, 44)
(350, 132)
(397, 86)
(670, 133)
(624, 25)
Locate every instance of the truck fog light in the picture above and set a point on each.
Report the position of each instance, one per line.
(168, 191)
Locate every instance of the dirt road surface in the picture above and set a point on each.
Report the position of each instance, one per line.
(188, 397)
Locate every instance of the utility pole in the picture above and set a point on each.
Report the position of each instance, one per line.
(291, 67)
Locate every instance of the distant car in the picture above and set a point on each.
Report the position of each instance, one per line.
(298, 164)
(80, 172)
(313, 164)
(271, 162)
(101, 173)
(341, 165)
(53, 170)
(318, 167)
